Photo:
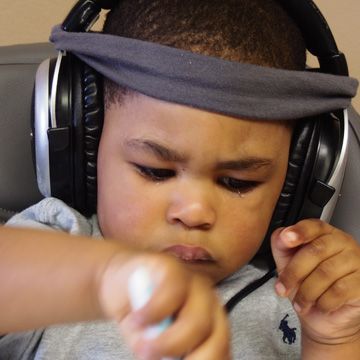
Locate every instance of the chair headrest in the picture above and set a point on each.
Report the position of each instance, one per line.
(18, 65)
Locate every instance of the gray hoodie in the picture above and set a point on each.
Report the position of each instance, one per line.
(263, 325)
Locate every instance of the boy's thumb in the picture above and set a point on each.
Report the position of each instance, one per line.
(283, 247)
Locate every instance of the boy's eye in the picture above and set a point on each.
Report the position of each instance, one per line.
(236, 185)
(155, 174)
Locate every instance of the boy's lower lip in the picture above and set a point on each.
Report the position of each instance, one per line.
(189, 253)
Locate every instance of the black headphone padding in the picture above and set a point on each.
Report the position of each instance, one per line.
(84, 90)
(295, 177)
(93, 124)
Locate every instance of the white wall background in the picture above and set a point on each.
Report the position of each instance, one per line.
(26, 21)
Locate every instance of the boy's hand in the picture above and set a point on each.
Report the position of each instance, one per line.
(199, 329)
(319, 270)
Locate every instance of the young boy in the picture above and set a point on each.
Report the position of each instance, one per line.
(199, 186)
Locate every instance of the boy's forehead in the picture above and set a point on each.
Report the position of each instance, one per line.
(148, 124)
(146, 107)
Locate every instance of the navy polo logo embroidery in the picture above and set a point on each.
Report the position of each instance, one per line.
(289, 334)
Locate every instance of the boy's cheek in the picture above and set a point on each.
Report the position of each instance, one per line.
(242, 248)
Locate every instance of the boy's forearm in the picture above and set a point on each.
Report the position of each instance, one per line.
(314, 351)
(49, 277)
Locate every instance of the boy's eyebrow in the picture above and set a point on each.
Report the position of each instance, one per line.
(248, 163)
(160, 151)
(164, 153)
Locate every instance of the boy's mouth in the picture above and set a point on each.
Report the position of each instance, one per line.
(189, 253)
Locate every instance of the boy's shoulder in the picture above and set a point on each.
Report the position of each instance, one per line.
(81, 341)
(53, 214)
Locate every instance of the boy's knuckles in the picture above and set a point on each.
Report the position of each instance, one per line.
(192, 334)
(352, 254)
(292, 276)
(327, 303)
(204, 327)
(304, 227)
(145, 351)
(215, 354)
(317, 248)
(327, 269)
(322, 226)
(217, 345)
(304, 298)
(334, 297)
(159, 348)
(339, 289)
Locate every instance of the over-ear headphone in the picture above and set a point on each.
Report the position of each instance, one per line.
(68, 116)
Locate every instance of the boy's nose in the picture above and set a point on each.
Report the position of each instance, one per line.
(192, 210)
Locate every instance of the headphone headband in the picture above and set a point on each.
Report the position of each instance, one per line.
(317, 34)
(85, 13)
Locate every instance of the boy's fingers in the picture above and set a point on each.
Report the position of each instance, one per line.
(285, 242)
(191, 327)
(281, 251)
(308, 258)
(170, 292)
(324, 277)
(217, 346)
(314, 243)
(309, 229)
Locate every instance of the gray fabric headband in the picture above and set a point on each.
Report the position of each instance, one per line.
(205, 82)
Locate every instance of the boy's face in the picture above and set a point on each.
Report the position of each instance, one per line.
(198, 185)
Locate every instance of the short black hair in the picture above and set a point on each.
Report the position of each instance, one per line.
(253, 31)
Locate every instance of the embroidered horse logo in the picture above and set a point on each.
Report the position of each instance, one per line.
(289, 334)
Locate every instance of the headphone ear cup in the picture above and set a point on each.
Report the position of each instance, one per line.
(313, 157)
(296, 179)
(52, 129)
(71, 144)
(303, 149)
